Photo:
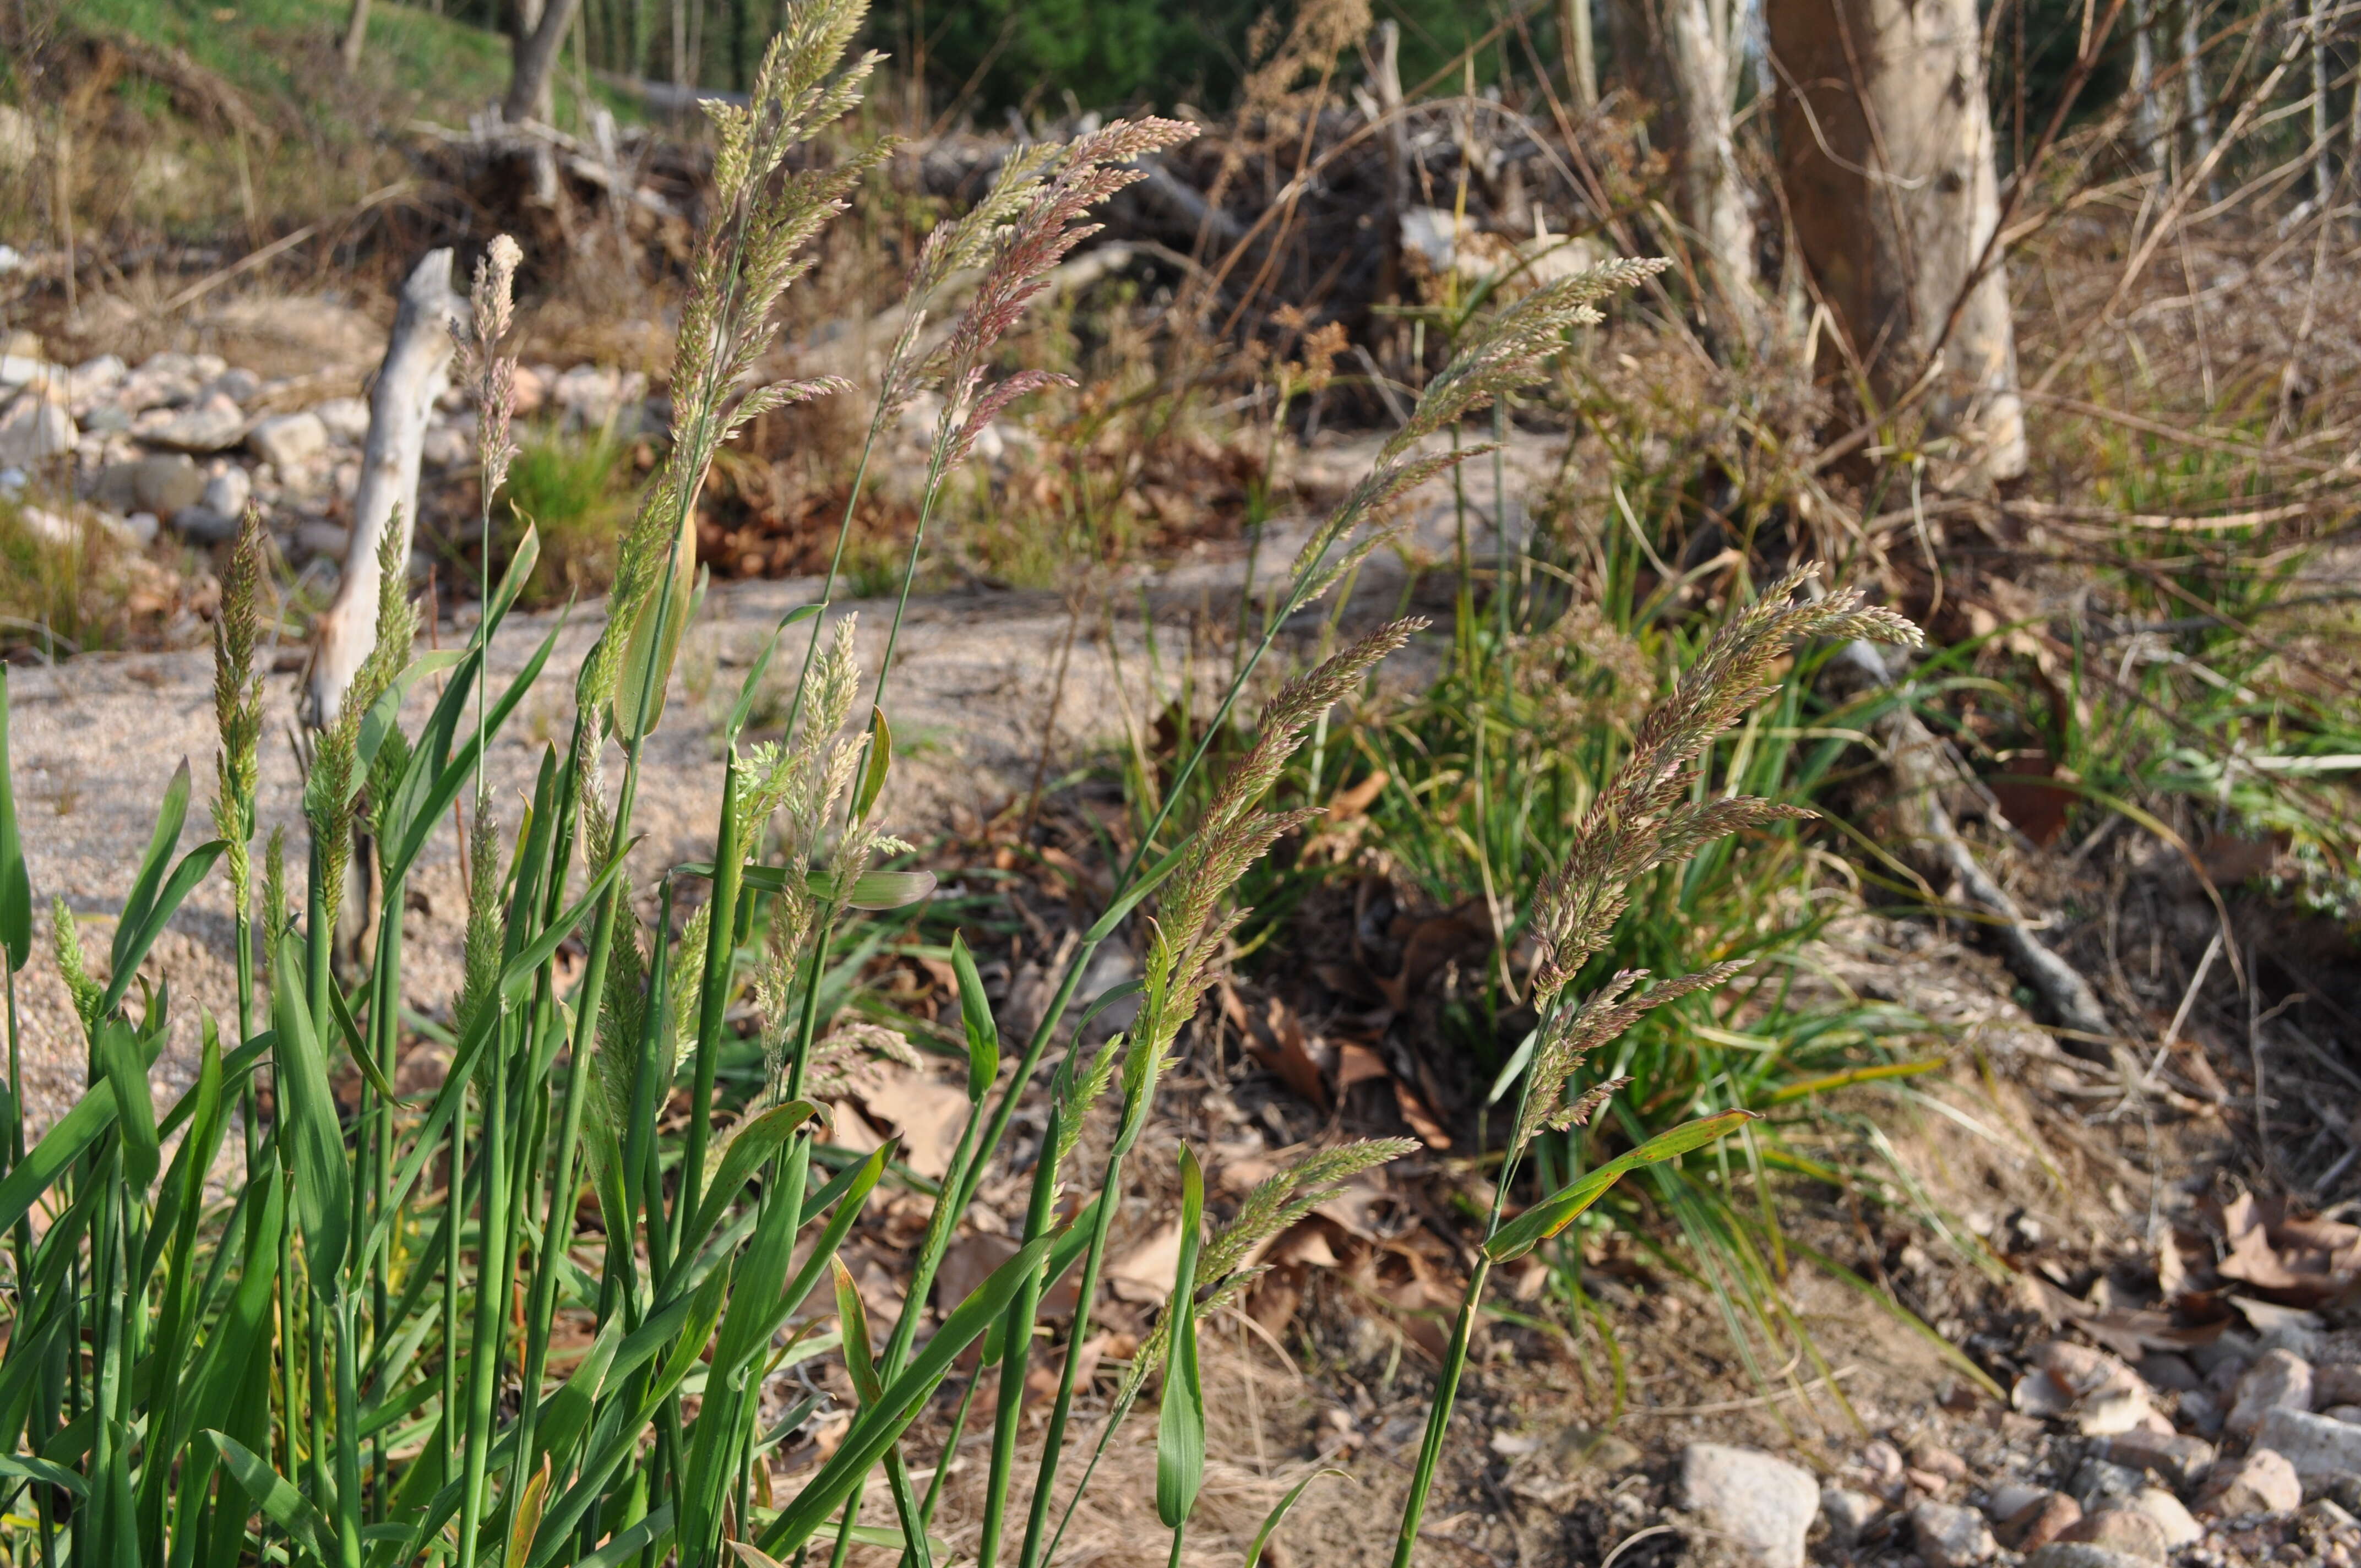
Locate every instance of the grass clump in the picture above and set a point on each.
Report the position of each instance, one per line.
(65, 585)
(567, 488)
(356, 1360)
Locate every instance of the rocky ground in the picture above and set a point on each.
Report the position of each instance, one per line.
(182, 440)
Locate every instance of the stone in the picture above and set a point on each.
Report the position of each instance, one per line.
(2038, 1394)
(2202, 1413)
(2098, 1482)
(316, 538)
(2337, 1383)
(2112, 1411)
(2081, 1554)
(1765, 1504)
(1937, 1461)
(22, 369)
(1951, 1537)
(288, 441)
(2006, 1499)
(2081, 1370)
(227, 489)
(2040, 1522)
(214, 424)
(100, 374)
(203, 524)
(2123, 1530)
(2349, 1414)
(163, 485)
(1848, 1514)
(2330, 1515)
(2318, 1447)
(238, 384)
(2261, 1483)
(448, 446)
(33, 428)
(346, 420)
(2223, 1376)
(2181, 1461)
(2168, 1374)
(2278, 1380)
(140, 527)
(2180, 1526)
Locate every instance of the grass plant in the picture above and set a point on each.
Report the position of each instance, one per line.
(345, 1351)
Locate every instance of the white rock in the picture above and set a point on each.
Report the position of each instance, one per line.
(288, 441)
(1765, 1504)
(1848, 1513)
(448, 446)
(32, 428)
(2349, 1414)
(2038, 1394)
(2319, 1448)
(2261, 1483)
(2180, 1526)
(2111, 1412)
(103, 373)
(2278, 1380)
(140, 528)
(236, 383)
(345, 418)
(1950, 1537)
(13, 482)
(212, 425)
(327, 538)
(2009, 1498)
(19, 370)
(226, 491)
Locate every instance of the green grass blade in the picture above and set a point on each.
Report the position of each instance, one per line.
(1180, 1423)
(975, 1019)
(1278, 1516)
(314, 1146)
(276, 1496)
(125, 1067)
(1560, 1209)
(60, 1148)
(133, 940)
(15, 884)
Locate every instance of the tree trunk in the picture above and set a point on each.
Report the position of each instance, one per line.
(2146, 122)
(1581, 54)
(2323, 182)
(2200, 101)
(1885, 149)
(1704, 66)
(416, 370)
(355, 35)
(541, 30)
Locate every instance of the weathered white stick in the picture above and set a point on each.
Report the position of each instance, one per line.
(416, 371)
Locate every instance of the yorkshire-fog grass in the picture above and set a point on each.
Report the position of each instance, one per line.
(350, 1361)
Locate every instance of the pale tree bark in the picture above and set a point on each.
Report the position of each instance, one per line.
(541, 30)
(415, 372)
(1885, 150)
(1581, 54)
(2147, 123)
(355, 35)
(2200, 101)
(1700, 49)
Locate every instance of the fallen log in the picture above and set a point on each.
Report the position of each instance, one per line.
(415, 373)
